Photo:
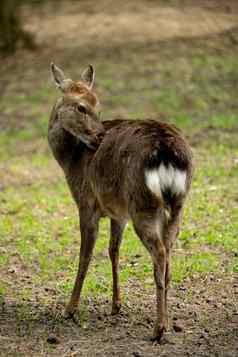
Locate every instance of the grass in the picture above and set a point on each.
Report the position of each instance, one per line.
(39, 235)
(40, 226)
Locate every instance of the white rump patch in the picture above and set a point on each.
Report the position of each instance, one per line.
(160, 179)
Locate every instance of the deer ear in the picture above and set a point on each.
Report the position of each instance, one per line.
(88, 76)
(58, 75)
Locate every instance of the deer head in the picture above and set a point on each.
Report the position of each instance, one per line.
(77, 110)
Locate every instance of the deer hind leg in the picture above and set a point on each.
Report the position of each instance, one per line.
(167, 285)
(171, 232)
(150, 233)
(114, 246)
(89, 230)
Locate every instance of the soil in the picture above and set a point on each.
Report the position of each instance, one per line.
(203, 313)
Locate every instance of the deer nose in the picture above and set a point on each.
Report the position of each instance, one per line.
(100, 136)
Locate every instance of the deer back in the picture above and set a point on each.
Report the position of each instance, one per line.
(139, 163)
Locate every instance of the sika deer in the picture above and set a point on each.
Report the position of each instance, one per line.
(124, 169)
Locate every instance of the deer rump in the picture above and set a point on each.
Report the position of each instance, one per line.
(139, 164)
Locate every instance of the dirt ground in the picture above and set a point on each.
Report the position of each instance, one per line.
(204, 309)
(204, 322)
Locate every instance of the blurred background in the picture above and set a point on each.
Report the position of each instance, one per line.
(168, 57)
(174, 60)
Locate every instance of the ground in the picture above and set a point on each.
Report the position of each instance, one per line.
(171, 60)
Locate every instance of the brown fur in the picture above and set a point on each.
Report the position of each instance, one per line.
(84, 92)
(104, 164)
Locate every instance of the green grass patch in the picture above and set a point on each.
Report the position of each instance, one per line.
(39, 230)
(40, 223)
(202, 262)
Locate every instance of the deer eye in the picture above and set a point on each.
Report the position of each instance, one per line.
(81, 109)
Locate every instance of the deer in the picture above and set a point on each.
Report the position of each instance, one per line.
(138, 170)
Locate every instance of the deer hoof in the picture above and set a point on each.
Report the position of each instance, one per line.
(116, 308)
(158, 332)
(70, 312)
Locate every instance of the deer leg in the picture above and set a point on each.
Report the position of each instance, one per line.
(114, 246)
(159, 276)
(167, 285)
(151, 237)
(89, 229)
(171, 232)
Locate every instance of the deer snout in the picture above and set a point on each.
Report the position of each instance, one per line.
(97, 138)
(92, 139)
(100, 136)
